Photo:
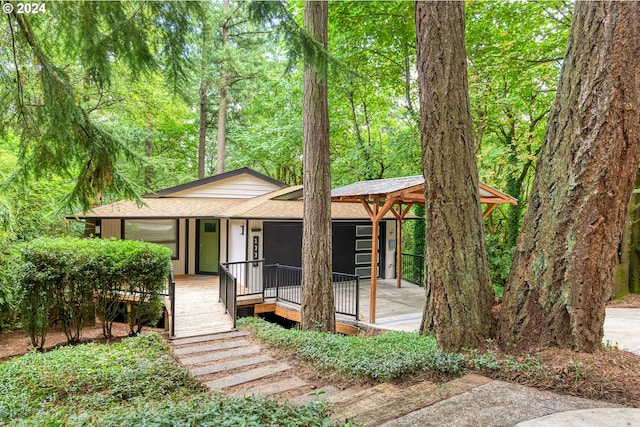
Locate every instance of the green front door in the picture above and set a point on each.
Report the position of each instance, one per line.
(208, 245)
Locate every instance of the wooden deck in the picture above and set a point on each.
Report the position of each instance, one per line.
(198, 310)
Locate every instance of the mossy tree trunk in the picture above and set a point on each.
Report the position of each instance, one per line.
(459, 293)
(565, 256)
(318, 311)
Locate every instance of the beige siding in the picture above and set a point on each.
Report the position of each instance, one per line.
(110, 228)
(255, 225)
(224, 227)
(236, 187)
(179, 264)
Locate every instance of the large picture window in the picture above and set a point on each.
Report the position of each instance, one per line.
(161, 231)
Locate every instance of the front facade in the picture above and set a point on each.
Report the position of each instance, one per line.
(237, 216)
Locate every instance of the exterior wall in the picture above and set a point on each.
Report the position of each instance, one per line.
(255, 230)
(179, 264)
(236, 187)
(390, 245)
(111, 228)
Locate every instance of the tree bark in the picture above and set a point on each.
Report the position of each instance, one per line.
(458, 288)
(565, 256)
(318, 311)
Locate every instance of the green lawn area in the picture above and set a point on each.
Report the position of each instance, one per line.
(134, 382)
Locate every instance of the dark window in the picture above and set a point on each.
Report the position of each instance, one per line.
(160, 231)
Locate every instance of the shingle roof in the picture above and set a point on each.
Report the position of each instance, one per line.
(163, 208)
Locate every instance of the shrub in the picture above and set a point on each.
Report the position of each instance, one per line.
(62, 278)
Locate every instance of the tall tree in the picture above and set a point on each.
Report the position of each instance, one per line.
(222, 93)
(459, 294)
(317, 310)
(565, 256)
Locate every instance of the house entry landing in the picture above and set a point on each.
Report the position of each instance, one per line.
(198, 307)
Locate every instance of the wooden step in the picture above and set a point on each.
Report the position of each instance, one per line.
(209, 337)
(273, 388)
(200, 348)
(247, 376)
(227, 366)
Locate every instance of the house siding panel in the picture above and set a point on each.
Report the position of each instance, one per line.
(237, 187)
(111, 228)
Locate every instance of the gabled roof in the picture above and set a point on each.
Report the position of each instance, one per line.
(408, 189)
(167, 192)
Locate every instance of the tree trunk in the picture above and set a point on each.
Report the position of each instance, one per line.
(459, 293)
(202, 130)
(317, 289)
(222, 106)
(565, 256)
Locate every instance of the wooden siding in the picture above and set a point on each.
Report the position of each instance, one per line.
(110, 228)
(237, 187)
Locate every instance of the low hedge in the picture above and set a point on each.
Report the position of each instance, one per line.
(68, 279)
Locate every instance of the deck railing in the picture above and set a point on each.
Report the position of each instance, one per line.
(171, 284)
(249, 276)
(228, 290)
(284, 282)
(413, 268)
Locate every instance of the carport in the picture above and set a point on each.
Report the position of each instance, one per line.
(398, 195)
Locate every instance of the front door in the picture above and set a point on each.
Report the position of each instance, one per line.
(208, 245)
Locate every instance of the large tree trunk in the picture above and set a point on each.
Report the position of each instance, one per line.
(565, 256)
(317, 288)
(459, 293)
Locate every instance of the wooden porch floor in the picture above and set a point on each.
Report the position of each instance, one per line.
(198, 310)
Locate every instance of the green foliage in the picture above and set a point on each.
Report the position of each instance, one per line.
(134, 382)
(59, 277)
(378, 358)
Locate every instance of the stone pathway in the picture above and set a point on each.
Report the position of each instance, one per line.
(231, 363)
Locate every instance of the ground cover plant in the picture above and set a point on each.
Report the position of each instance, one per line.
(134, 382)
(377, 358)
(610, 374)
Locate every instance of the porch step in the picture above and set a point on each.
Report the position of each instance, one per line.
(198, 348)
(383, 403)
(209, 337)
(247, 376)
(272, 388)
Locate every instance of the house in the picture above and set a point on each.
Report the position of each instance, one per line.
(241, 215)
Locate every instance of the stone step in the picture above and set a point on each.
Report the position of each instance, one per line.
(209, 337)
(247, 376)
(227, 366)
(219, 355)
(374, 412)
(273, 388)
(350, 397)
(200, 348)
(321, 393)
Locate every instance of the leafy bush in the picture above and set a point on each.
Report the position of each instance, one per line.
(66, 276)
(134, 382)
(378, 358)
